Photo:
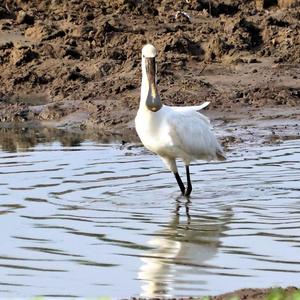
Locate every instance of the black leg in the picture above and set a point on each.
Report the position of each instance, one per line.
(189, 183)
(179, 181)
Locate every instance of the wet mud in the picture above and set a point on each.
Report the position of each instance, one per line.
(77, 63)
(260, 294)
(251, 294)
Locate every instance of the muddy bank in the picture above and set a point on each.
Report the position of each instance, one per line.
(288, 293)
(77, 63)
(267, 126)
(260, 294)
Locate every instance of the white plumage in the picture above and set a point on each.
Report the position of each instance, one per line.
(173, 132)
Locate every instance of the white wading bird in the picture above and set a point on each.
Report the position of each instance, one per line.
(173, 132)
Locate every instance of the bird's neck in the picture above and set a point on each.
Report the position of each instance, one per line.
(147, 90)
(145, 86)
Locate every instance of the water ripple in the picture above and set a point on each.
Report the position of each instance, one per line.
(77, 219)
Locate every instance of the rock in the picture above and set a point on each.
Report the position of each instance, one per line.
(54, 35)
(51, 112)
(253, 61)
(105, 69)
(118, 54)
(24, 18)
(222, 8)
(44, 32)
(71, 42)
(87, 31)
(32, 78)
(4, 14)
(277, 22)
(22, 115)
(183, 17)
(145, 7)
(75, 74)
(6, 26)
(288, 3)
(261, 4)
(278, 60)
(183, 45)
(108, 27)
(22, 56)
(216, 48)
(72, 52)
(6, 45)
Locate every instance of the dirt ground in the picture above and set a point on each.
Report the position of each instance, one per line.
(289, 293)
(77, 63)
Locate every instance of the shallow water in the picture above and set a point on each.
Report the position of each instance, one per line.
(96, 220)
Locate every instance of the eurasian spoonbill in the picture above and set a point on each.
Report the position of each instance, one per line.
(173, 132)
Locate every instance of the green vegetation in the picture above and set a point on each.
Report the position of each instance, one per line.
(281, 294)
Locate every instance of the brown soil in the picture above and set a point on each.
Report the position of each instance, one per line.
(260, 294)
(288, 293)
(77, 63)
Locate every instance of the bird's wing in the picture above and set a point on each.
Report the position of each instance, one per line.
(187, 108)
(191, 132)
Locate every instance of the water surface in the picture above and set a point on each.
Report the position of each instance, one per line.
(92, 219)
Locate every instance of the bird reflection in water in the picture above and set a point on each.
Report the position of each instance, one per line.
(181, 249)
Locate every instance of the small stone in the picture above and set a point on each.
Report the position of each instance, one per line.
(238, 94)
(288, 3)
(72, 52)
(24, 18)
(253, 61)
(23, 56)
(278, 60)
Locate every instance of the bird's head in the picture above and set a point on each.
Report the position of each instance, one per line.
(149, 51)
(149, 54)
